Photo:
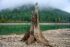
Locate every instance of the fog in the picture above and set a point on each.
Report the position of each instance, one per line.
(60, 4)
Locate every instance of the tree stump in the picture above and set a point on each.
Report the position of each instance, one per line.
(35, 34)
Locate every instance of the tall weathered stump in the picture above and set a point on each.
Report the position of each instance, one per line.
(35, 34)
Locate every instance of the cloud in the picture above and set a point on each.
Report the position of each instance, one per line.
(60, 4)
(67, 9)
(11, 3)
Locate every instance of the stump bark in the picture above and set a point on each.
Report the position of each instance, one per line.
(35, 34)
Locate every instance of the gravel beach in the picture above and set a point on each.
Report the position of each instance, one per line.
(57, 38)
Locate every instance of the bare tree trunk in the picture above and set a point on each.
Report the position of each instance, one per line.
(32, 24)
(31, 39)
(38, 35)
(35, 34)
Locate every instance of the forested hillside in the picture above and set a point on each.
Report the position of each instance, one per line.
(23, 14)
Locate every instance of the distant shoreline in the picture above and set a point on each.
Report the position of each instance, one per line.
(39, 23)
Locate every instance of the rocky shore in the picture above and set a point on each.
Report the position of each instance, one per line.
(57, 38)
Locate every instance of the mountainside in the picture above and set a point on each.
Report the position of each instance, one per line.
(23, 14)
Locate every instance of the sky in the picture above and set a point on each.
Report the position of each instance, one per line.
(60, 4)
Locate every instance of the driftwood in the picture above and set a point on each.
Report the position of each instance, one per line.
(35, 34)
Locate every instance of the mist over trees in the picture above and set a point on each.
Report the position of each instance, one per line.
(23, 14)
